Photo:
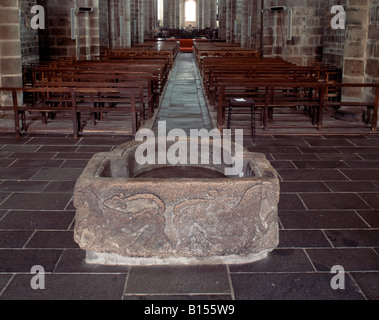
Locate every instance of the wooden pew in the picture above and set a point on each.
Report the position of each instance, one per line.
(312, 96)
(75, 101)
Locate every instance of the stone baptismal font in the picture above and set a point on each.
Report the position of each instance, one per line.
(157, 214)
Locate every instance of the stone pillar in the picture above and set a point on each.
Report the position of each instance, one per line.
(230, 20)
(207, 14)
(182, 19)
(111, 23)
(372, 64)
(128, 26)
(141, 21)
(200, 13)
(94, 30)
(152, 18)
(10, 48)
(88, 38)
(166, 16)
(213, 13)
(254, 15)
(29, 37)
(334, 40)
(355, 50)
(244, 23)
(222, 19)
(169, 14)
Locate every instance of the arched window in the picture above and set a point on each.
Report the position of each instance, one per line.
(160, 9)
(190, 11)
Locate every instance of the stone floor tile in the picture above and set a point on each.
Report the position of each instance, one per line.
(75, 155)
(73, 261)
(337, 219)
(352, 259)
(14, 239)
(303, 239)
(68, 287)
(299, 286)
(362, 175)
(280, 260)
(4, 280)
(5, 163)
(352, 186)
(353, 238)
(329, 142)
(304, 187)
(290, 202)
(338, 157)
(320, 164)
(58, 174)
(369, 284)
(178, 280)
(37, 201)
(60, 186)
(333, 201)
(371, 217)
(25, 186)
(52, 240)
(17, 173)
(36, 163)
(372, 199)
(311, 175)
(19, 261)
(3, 197)
(37, 220)
(32, 155)
(49, 140)
(296, 156)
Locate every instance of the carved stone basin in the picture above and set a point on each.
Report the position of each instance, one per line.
(131, 214)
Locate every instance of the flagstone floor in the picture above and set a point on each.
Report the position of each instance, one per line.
(184, 105)
(329, 216)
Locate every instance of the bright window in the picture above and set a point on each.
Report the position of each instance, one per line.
(190, 10)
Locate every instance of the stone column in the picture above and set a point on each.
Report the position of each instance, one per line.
(141, 21)
(128, 26)
(182, 7)
(10, 48)
(111, 25)
(244, 23)
(200, 15)
(169, 14)
(177, 14)
(166, 15)
(29, 37)
(94, 30)
(207, 14)
(355, 50)
(222, 19)
(213, 14)
(372, 64)
(88, 37)
(230, 19)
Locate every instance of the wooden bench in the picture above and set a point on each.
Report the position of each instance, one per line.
(146, 86)
(103, 72)
(75, 101)
(312, 96)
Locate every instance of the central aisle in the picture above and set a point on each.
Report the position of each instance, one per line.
(184, 105)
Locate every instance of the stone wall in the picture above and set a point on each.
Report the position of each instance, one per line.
(10, 47)
(305, 45)
(334, 40)
(29, 37)
(56, 38)
(372, 64)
